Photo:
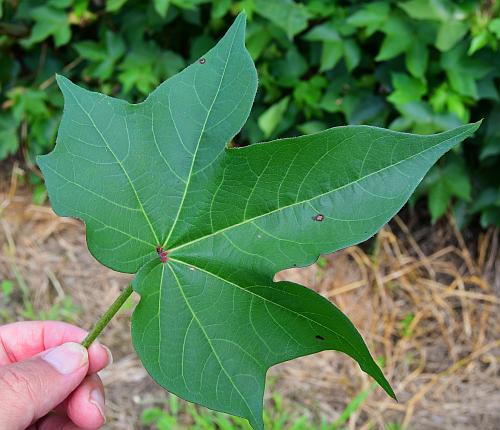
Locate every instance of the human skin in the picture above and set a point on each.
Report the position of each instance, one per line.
(48, 381)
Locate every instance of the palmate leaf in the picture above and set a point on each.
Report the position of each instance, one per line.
(211, 321)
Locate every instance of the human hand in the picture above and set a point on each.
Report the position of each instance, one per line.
(48, 380)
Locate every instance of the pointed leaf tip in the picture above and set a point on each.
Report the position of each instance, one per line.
(60, 79)
(241, 16)
(477, 124)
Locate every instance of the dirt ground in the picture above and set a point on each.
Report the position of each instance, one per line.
(426, 300)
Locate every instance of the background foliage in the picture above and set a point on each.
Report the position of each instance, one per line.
(422, 66)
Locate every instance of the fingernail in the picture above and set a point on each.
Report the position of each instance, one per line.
(110, 355)
(97, 399)
(67, 358)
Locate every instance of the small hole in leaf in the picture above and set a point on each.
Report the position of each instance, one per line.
(319, 337)
(318, 217)
(202, 61)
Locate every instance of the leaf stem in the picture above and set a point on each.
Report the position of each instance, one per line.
(107, 317)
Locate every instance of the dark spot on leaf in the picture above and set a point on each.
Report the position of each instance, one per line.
(318, 217)
(202, 61)
(319, 337)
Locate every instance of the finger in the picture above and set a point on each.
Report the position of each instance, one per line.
(85, 406)
(55, 422)
(22, 340)
(31, 388)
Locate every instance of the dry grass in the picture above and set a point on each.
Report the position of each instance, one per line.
(426, 301)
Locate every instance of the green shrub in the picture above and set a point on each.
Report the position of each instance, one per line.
(420, 65)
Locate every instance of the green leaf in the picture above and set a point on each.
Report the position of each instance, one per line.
(290, 68)
(494, 27)
(114, 5)
(417, 58)
(49, 21)
(103, 55)
(331, 54)
(28, 103)
(286, 14)
(311, 127)
(323, 33)
(392, 46)
(211, 321)
(439, 198)
(146, 65)
(463, 71)
(479, 41)
(489, 197)
(220, 8)
(352, 54)
(188, 4)
(406, 89)
(90, 50)
(308, 93)
(321, 8)
(427, 9)
(449, 33)
(372, 16)
(161, 6)
(7, 288)
(418, 9)
(457, 181)
(39, 194)
(269, 120)
(398, 38)
(257, 39)
(9, 140)
(452, 180)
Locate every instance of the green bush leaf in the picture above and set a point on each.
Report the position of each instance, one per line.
(417, 58)
(392, 46)
(9, 140)
(49, 21)
(439, 199)
(406, 89)
(372, 16)
(331, 54)
(449, 33)
(161, 6)
(352, 54)
(270, 119)
(323, 33)
(494, 27)
(398, 38)
(114, 5)
(211, 321)
(463, 72)
(427, 9)
(286, 14)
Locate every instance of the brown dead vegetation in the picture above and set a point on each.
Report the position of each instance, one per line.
(425, 299)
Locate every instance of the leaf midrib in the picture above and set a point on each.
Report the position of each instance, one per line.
(212, 347)
(188, 182)
(249, 220)
(267, 301)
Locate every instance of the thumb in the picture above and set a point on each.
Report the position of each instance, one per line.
(30, 389)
